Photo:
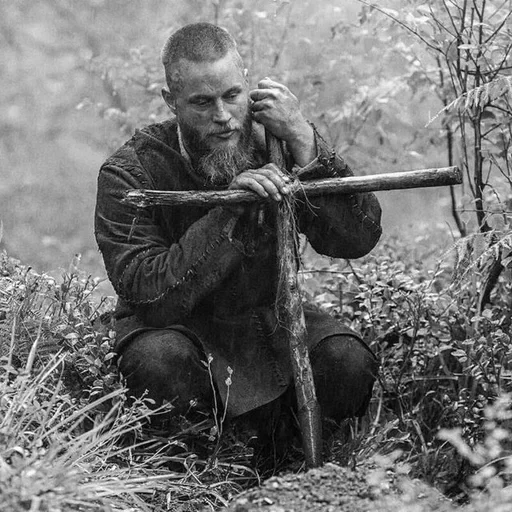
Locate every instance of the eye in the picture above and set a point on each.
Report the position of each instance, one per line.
(232, 95)
(201, 102)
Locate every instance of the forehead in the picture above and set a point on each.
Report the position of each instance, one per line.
(210, 78)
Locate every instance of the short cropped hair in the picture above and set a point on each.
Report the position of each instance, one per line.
(197, 42)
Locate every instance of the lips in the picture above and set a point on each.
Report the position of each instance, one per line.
(224, 135)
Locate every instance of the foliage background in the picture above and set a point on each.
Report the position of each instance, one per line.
(79, 77)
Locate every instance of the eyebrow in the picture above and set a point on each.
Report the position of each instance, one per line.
(200, 97)
(207, 97)
(235, 88)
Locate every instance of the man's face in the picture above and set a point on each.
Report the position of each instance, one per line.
(212, 107)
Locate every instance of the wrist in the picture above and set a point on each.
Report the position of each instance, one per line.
(302, 145)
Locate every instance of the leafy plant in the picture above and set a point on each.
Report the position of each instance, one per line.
(463, 54)
(442, 360)
(69, 440)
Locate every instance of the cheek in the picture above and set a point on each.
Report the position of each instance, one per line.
(199, 120)
(240, 110)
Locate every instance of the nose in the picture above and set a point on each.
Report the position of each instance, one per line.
(220, 114)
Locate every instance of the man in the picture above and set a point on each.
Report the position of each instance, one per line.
(198, 284)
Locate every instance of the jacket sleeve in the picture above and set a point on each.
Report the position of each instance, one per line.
(161, 279)
(340, 226)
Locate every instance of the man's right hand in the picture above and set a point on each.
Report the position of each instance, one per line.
(267, 181)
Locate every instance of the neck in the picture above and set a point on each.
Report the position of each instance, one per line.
(183, 148)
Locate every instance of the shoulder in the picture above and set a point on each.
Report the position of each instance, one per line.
(146, 158)
(163, 134)
(152, 139)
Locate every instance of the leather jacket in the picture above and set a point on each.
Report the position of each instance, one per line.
(211, 271)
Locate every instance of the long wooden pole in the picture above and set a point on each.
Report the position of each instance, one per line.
(435, 177)
(291, 316)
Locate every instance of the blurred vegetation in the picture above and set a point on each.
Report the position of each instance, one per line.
(79, 78)
(394, 86)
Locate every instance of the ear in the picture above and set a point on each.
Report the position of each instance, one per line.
(169, 100)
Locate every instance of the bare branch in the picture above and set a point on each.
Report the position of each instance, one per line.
(500, 66)
(449, 15)
(500, 26)
(501, 109)
(402, 24)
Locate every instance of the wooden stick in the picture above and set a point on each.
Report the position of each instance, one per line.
(350, 185)
(291, 317)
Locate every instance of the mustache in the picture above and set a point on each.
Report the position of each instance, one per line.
(225, 129)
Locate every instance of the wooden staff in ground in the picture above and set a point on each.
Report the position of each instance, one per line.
(289, 296)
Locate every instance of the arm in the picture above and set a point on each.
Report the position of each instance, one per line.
(161, 279)
(340, 226)
(277, 109)
(337, 226)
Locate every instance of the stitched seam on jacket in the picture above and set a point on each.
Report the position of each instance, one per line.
(363, 217)
(329, 164)
(189, 274)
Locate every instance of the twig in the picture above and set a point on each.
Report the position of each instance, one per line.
(401, 23)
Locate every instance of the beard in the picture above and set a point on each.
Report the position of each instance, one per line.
(218, 166)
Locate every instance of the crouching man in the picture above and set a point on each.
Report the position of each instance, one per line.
(199, 283)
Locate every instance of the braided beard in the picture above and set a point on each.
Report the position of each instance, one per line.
(220, 165)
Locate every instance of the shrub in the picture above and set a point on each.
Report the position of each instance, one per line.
(442, 360)
(68, 438)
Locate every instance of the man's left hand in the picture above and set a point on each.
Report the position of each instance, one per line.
(277, 109)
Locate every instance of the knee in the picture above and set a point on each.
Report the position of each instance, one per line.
(344, 359)
(151, 354)
(164, 365)
(344, 372)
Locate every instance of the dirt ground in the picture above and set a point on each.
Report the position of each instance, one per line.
(333, 488)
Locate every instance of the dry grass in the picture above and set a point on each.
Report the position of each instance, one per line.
(68, 438)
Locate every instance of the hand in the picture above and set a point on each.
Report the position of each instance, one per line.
(277, 109)
(267, 181)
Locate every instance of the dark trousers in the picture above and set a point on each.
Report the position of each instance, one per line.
(167, 365)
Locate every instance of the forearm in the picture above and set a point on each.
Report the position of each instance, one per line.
(161, 278)
(303, 147)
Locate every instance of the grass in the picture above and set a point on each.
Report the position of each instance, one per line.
(70, 441)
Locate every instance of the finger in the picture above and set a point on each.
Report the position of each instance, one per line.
(258, 187)
(261, 105)
(259, 116)
(279, 180)
(269, 83)
(269, 179)
(261, 94)
(264, 117)
(270, 167)
(274, 185)
(271, 187)
(275, 172)
(244, 182)
(260, 183)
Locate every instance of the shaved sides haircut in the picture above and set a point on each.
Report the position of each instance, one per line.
(198, 42)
